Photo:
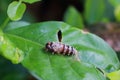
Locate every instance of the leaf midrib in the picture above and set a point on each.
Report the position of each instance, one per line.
(25, 39)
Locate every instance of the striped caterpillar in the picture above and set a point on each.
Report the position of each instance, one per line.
(59, 48)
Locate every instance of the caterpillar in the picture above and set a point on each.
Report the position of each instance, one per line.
(59, 47)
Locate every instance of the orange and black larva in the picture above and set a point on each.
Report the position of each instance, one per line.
(59, 48)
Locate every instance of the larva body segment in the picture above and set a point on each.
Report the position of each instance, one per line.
(59, 48)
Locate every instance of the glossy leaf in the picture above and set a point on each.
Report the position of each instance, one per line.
(114, 75)
(30, 1)
(16, 10)
(94, 11)
(92, 49)
(32, 39)
(73, 17)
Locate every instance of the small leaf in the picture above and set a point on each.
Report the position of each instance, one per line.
(94, 11)
(117, 13)
(114, 75)
(30, 1)
(73, 17)
(16, 10)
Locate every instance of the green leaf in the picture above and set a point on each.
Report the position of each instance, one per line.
(92, 49)
(114, 75)
(73, 17)
(16, 10)
(114, 2)
(30, 1)
(94, 11)
(31, 39)
(117, 13)
(8, 50)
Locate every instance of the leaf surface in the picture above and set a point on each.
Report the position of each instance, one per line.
(9, 50)
(31, 39)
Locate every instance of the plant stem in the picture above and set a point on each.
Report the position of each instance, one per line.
(5, 23)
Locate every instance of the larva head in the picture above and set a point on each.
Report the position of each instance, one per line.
(49, 46)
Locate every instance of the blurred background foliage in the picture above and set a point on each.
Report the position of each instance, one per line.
(8, 71)
(100, 17)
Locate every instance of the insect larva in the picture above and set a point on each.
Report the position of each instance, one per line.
(59, 48)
